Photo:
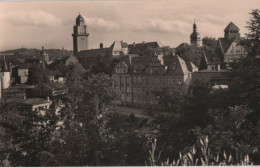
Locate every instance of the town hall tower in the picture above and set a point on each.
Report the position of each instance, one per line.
(80, 35)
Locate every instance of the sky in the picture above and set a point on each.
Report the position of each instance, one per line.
(33, 24)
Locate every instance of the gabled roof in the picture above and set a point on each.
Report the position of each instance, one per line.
(231, 27)
(183, 67)
(225, 43)
(190, 66)
(123, 44)
(178, 64)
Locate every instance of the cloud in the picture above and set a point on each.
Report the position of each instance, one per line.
(159, 25)
(31, 18)
(101, 24)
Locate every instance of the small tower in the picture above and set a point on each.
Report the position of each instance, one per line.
(5, 76)
(231, 31)
(195, 36)
(80, 35)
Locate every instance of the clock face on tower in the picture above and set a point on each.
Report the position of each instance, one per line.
(80, 36)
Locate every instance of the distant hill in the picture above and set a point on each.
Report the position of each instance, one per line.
(29, 53)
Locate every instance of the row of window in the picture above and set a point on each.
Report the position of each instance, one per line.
(121, 70)
(237, 51)
(156, 80)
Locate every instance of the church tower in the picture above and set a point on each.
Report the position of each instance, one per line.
(231, 31)
(80, 35)
(5, 76)
(44, 55)
(195, 36)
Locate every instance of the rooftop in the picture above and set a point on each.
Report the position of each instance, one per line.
(231, 27)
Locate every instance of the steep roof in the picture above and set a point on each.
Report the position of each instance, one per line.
(117, 43)
(4, 67)
(231, 27)
(182, 64)
(178, 64)
(225, 43)
(190, 66)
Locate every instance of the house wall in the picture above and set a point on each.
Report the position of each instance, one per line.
(234, 52)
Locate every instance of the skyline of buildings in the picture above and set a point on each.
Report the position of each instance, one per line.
(36, 24)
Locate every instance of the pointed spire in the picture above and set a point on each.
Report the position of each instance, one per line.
(4, 66)
(194, 26)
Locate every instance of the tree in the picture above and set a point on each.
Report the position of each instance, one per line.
(189, 53)
(203, 63)
(76, 79)
(209, 42)
(28, 135)
(244, 79)
(38, 74)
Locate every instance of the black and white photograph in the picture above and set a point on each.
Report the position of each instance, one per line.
(129, 83)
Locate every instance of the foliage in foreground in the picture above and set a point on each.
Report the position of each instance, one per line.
(201, 156)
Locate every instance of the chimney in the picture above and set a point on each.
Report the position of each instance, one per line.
(143, 42)
(101, 46)
(134, 44)
(48, 98)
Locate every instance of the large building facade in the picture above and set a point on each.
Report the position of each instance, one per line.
(80, 35)
(140, 79)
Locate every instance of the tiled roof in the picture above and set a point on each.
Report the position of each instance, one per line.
(178, 64)
(183, 67)
(225, 43)
(231, 27)
(190, 66)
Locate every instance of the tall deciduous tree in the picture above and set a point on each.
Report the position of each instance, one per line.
(209, 42)
(38, 74)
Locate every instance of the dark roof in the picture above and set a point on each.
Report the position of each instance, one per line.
(123, 44)
(190, 66)
(176, 63)
(51, 86)
(231, 27)
(80, 18)
(225, 43)
(4, 67)
(144, 45)
(55, 85)
(194, 35)
(95, 52)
